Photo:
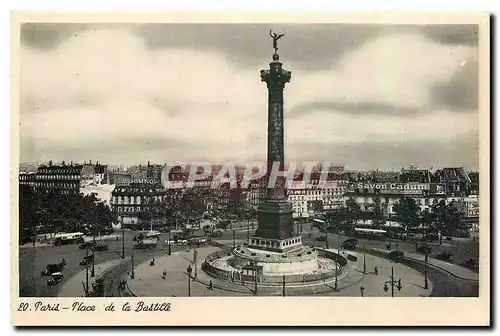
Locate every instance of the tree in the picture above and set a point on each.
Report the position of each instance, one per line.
(377, 212)
(44, 211)
(236, 202)
(351, 212)
(426, 219)
(446, 217)
(407, 210)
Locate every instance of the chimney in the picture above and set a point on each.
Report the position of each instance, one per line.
(90, 162)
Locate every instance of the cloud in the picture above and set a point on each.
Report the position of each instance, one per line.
(108, 94)
(359, 108)
(461, 90)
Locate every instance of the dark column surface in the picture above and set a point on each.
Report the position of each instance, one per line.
(275, 214)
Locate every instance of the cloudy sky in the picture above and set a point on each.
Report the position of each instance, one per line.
(367, 96)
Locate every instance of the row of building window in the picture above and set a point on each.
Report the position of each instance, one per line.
(134, 199)
(57, 185)
(128, 209)
(58, 177)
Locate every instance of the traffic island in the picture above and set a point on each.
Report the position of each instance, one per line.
(149, 280)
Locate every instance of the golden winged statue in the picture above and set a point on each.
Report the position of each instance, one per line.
(275, 38)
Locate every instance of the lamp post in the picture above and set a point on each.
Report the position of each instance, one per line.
(362, 291)
(426, 282)
(86, 272)
(169, 243)
(92, 273)
(189, 270)
(364, 260)
(123, 239)
(427, 251)
(234, 238)
(132, 274)
(284, 284)
(337, 272)
(255, 276)
(390, 232)
(195, 253)
(392, 282)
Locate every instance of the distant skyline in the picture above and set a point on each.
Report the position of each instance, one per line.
(366, 96)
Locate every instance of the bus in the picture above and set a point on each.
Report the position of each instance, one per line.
(369, 233)
(68, 238)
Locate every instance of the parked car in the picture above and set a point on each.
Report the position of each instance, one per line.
(182, 242)
(87, 245)
(100, 247)
(86, 260)
(55, 278)
(217, 233)
(445, 256)
(424, 249)
(143, 245)
(169, 242)
(396, 256)
(52, 268)
(349, 244)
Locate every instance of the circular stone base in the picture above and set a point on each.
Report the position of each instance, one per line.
(303, 265)
(301, 261)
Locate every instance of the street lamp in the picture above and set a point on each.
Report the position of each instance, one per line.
(364, 259)
(234, 238)
(337, 271)
(132, 275)
(427, 251)
(255, 276)
(195, 253)
(393, 283)
(189, 270)
(362, 290)
(123, 239)
(169, 243)
(86, 272)
(92, 274)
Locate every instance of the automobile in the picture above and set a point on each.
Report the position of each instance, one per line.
(55, 278)
(169, 242)
(321, 238)
(87, 245)
(145, 245)
(217, 233)
(52, 268)
(100, 247)
(349, 244)
(182, 242)
(396, 256)
(86, 260)
(445, 256)
(424, 249)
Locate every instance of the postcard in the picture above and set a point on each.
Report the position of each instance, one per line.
(232, 169)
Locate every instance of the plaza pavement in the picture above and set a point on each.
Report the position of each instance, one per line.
(73, 287)
(148, 279)
(456, 270)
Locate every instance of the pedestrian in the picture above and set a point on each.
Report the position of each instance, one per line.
(210, 285)
(164, 276)
(375, 270)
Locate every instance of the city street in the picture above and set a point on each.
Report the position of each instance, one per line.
(32, 260)
(461, 250)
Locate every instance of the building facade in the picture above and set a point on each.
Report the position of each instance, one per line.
(63, 178)
(128, 202)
